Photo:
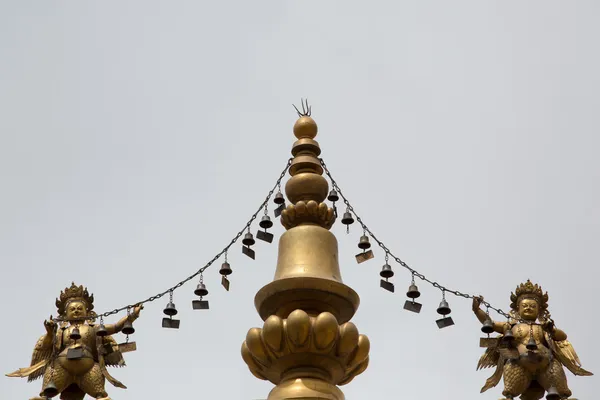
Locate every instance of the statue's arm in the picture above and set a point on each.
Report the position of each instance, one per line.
(118, 326)
(48, 338)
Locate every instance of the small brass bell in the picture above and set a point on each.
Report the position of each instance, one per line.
(278, 199)
(128, 328)
(102, 330)
(201, 290)
(364, 243)
(248, 239)
(444, 308)
(333, 196)
(225, 269)
(531, 344)
(488, 326)
(265, 222)
(170, 309)
(508, 337)
(50, 390)
(75, 334)
(413, 292)
(347, 218)
(552, 394)
(386, 271)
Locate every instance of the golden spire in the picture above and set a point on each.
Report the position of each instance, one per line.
(306, 347)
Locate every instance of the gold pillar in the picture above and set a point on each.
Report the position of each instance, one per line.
(307, 346)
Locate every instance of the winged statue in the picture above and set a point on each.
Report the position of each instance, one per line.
(73, 355)
(531, 352)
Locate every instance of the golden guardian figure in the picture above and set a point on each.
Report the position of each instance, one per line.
(530, 352)
(73, 354)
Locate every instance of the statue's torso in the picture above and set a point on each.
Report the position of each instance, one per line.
(87, 344)
(538, 359)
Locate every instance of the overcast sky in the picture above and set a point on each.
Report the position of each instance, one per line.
(138, 137)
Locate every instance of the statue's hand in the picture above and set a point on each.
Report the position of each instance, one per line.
(477, 300)
(50, 325)
(136, 311)
(548, 326)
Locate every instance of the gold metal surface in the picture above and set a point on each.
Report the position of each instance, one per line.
(86, 373)
(306, 346)
(528, 373)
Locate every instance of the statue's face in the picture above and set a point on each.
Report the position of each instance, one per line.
(529, 309)
(76, 309)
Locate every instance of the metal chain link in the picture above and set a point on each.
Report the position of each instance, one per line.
(207, 265)
(387, 251)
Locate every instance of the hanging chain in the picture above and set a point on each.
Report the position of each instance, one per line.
(414, 272)
(208, 264)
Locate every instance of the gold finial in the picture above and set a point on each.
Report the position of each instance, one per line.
(305, 127)
(307, 189)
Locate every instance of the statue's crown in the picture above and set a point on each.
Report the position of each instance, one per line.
(74, 293)
(530, 291)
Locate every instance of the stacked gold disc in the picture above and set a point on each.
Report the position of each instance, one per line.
(307, 346)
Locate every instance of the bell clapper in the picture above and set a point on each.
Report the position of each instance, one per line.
(170, 310)
(201, 291)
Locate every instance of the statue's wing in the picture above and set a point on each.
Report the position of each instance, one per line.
(41, 356)
(39, 360)
(489, 359)
(114, 355)
(115, 358)
(565, 353)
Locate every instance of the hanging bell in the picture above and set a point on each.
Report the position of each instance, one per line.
(248, 239)
(50, 390)
(531, 344)
(265, 222)
(128, 328)
(413, 292)
(347, 218)
(333, 196)
(225, 269)
(364, 243)
(444, 308)
(170, 309)
(278, 199)
(552, 394)
(386, 271)
(488, 327)
(201, 290)
(75, 334)
(508, 337)
(102, 332)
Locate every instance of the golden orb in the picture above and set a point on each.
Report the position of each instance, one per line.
(305, 127)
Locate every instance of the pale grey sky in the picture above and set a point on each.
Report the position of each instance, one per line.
(137, 137)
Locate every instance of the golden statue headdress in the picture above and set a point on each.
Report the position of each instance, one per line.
(74, 293)
(528, 290)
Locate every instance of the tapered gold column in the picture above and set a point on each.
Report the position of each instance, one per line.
(306, 346)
